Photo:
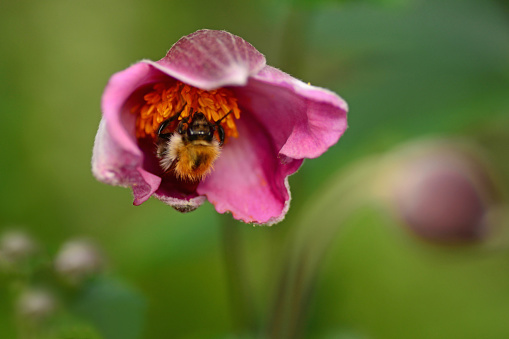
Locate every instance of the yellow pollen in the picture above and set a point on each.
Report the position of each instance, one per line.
(166, 99)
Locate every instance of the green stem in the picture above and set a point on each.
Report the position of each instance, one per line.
(308, 247)
(241, 302)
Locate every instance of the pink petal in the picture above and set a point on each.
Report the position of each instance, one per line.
(303, 120)
(114, 165)
(181, 205)
(121, 86)
(249, 178)
(210, 59)
(117, 157)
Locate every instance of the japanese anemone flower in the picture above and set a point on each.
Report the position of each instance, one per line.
(213, 86)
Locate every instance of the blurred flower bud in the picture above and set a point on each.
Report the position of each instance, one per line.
(78, 260)
(35, 305)
(441, 190)
(15, 247)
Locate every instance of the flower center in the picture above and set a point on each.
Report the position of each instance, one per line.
(167, 99)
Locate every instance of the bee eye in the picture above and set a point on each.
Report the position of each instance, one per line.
(193, 132)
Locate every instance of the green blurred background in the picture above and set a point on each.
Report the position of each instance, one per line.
(407, 68)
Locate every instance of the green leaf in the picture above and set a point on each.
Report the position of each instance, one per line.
(115, 309)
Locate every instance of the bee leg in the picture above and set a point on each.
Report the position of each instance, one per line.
(181, 129)
(160, 133)
(220, 131)
(165, 123)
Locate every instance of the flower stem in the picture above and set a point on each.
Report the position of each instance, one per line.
(315, 231)
(241, 302)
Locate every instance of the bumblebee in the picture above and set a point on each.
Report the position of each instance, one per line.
(191, 150)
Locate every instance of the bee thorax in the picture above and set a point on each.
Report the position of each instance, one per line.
(190, 160)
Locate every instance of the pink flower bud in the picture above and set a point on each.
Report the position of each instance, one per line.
(443, 192)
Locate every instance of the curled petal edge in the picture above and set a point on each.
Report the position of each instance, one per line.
(325, 120)
(115, 166)
(286, 207)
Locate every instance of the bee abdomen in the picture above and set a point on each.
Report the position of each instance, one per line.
(199, 160)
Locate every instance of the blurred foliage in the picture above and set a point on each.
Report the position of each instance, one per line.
(407, 69)
(101, 303)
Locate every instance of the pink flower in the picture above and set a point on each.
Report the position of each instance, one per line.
(271, 123)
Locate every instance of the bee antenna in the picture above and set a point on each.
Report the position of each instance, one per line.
(224, 116)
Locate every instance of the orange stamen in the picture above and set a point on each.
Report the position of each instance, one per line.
(166, 99)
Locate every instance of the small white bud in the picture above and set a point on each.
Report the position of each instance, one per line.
(16, 246)
(36, 305)
(77, 260)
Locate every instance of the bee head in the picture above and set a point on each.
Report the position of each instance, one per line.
(200, 128)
